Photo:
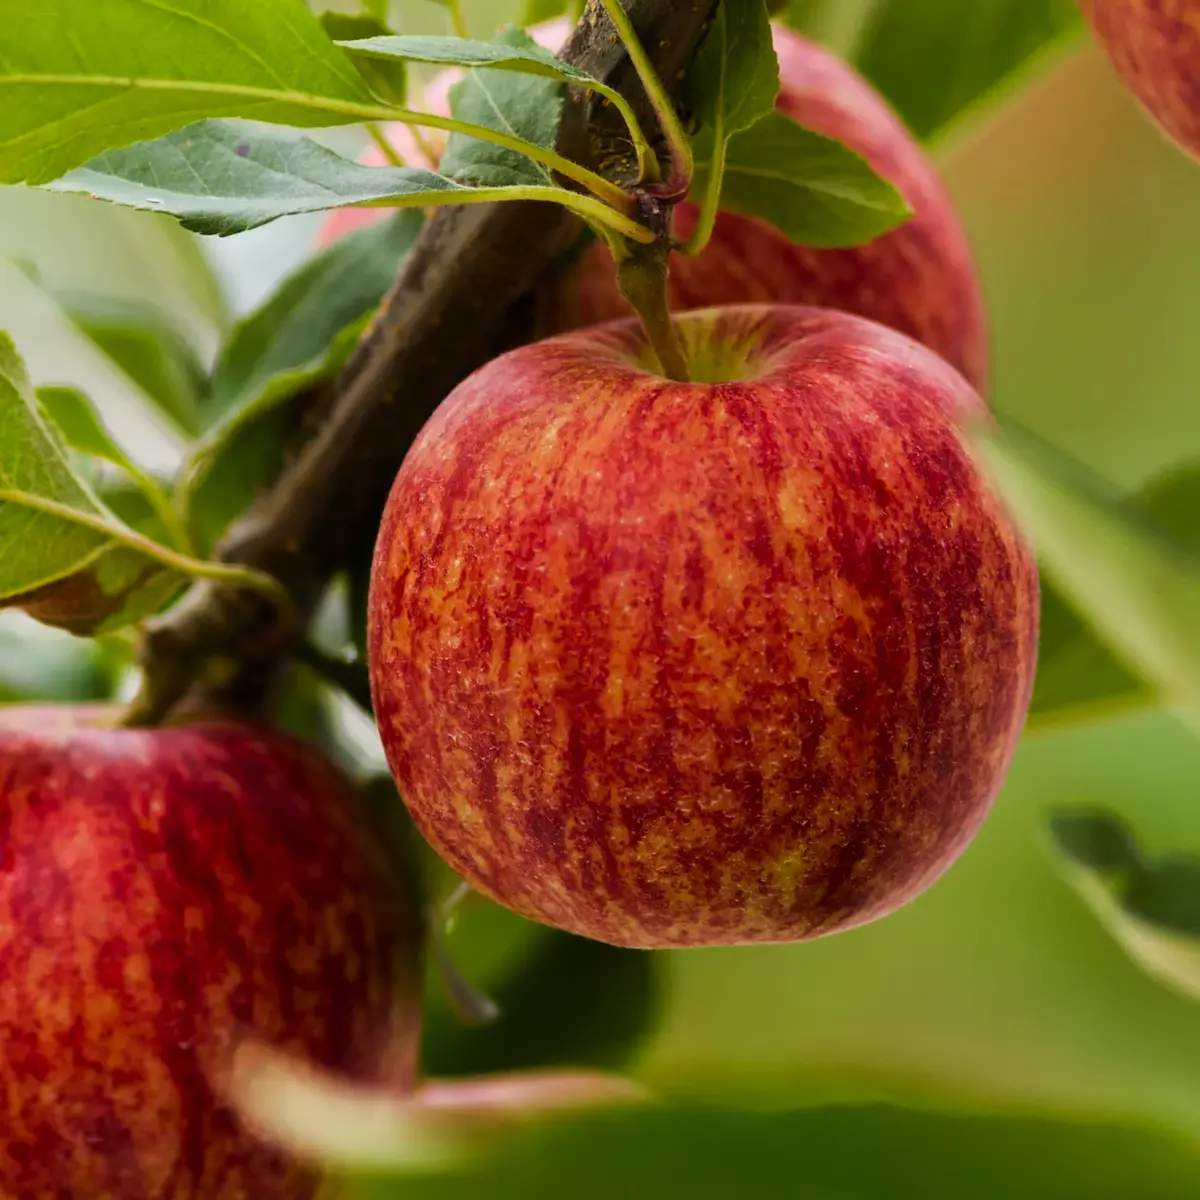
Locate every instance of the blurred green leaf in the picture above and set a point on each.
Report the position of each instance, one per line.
(537, 11)
(935, 59)
(386, 77)
(219, 178)
(145, 344)
(1150, 905)
(301, 334)
(734, 79)
(816, 191)
(64, 564)
(38, 663)
(842, 1153)
(80, 78)
(1136, 586)
(525, 106)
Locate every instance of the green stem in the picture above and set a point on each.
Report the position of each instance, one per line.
(586, 207)
(646, 160)
(457, 20)
(678, 145)
(164, 509)
(389, 152)
(610, 193)
(643, 282)
(234, 576)
(711, 201)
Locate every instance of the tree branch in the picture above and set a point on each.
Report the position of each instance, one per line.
(462, 297)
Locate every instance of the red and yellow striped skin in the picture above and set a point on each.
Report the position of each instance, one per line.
(1154, 47)
(691, 664)
(162, 892)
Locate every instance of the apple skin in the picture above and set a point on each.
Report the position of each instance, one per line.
(1154, 47)
(162, 892)
(696, 664)
(920, 278)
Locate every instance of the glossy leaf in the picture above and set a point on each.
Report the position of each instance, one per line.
(1139, 589)
(80, 78)
(219, 178)
(385, 76)
(935, 60)
(66, 565)
(813, 189)
(1150, 905)
(525, 106)
(304, 332)
(734, 78)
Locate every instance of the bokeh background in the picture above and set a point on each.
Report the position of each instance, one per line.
(993, 1038)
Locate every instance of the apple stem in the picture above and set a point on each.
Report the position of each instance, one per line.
(679, 147)
(642, 276)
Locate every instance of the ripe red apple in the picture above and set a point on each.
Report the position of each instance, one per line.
(1154, 47)
(738, 660)
(161, 893)
(920, 278)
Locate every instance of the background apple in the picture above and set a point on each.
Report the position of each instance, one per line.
(919, 278)
(162, 891)
(1154, 47)
(740, 660)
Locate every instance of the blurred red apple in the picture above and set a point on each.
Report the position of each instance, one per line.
(919, 278)
(739, 660)
(163, 892)
(1154, 47)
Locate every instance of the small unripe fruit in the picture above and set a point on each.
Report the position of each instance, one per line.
(163, 893)
(740, 660)
(1154, 47)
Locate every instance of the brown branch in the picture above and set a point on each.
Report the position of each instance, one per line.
(462, 297)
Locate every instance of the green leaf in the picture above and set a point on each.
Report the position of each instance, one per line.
(1138, 588)
(845, 1152)
(218, 178)
(78, 78)
(734, 79)
(81, 428)
(936, 59)
(62, 557)
(814, 190)
(537, 11)
(139, 339)
(385, 75)
(37, 663)
(521, 105)
(1150, 905)
(302, 333)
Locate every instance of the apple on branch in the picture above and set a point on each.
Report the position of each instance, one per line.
(163, 893)
(737, 660)
(918, 278)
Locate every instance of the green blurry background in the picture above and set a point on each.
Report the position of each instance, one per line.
(992, 1039)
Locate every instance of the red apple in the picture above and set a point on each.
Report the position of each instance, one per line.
(163, 892)
(738, 660)
(919, 278)
(1154, 47)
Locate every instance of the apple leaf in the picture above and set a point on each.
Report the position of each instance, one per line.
(1150, 905)
(302, 333)
(848, 1151)
(1137, 587)
(521, 105)
(816, 191)
(64, 558)
(218, 178)
(385, 75)
(1078, 676)
(936, 60)
(81, 427)
(78, 77)
(734, 78)
(142, 341)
